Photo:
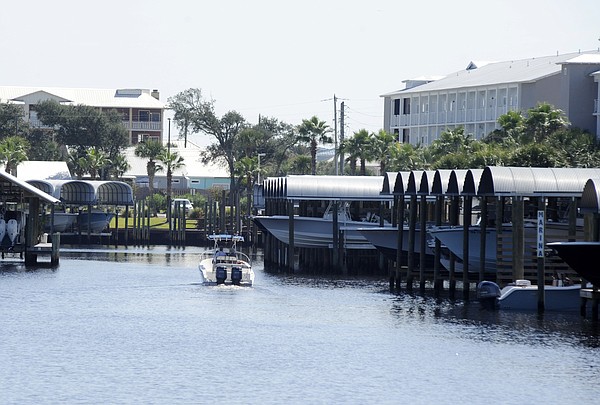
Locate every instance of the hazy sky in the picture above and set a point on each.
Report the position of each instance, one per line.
(279, 59)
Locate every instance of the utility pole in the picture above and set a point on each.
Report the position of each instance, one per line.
(342, 138)
(335, 152)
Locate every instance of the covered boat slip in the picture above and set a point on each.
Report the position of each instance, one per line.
(76, 194)
(21, 202)
(487, 197)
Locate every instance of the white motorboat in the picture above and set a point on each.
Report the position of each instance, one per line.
(522, 295)
(385, 239)
(317, 232)
(224, 264)
(452, 237)
(13, 229)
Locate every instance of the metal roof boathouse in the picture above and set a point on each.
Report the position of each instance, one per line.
(492, 197)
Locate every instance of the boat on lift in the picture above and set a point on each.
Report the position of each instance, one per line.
(224, 264)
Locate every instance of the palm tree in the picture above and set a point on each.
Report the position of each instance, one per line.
(96, 161)
(313, 132)
(13, 150)
(172, 161)
(381, 145)
(359, 147)
(119, 166)
(151, 150)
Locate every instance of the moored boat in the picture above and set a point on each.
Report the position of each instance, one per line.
(582, 257)
(522, 295)
(224, 264)
(94, 222)
(317, 232)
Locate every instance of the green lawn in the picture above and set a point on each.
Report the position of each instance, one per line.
(155, 223)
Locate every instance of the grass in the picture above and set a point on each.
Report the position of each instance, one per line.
(155, 223)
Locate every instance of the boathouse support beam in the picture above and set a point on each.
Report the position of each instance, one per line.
(437, 280)
(422, 241)
(467, 210)
(411, 242)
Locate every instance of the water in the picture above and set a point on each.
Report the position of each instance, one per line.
(112, 327)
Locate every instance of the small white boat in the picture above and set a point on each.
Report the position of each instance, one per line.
(224, 264)
(522, 295)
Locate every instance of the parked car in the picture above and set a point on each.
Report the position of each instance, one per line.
(183, 202)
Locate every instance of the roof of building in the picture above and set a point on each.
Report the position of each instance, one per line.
(43, 170)
(105, 98)
(192, 165)
(506, 72)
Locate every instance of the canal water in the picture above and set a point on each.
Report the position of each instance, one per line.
(116, 326)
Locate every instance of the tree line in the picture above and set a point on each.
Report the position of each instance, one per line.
(92, 143)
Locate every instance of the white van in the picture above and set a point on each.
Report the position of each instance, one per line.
(183, 202)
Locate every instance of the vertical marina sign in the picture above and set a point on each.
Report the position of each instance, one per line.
(540, 233)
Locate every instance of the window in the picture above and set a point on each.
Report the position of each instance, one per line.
(144, 116)
(397, 106)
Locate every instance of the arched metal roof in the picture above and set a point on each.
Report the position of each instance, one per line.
(389, 179)
(532, 181)
(84, 192)
(471, 182)
(441, 181)
(395, 182)
(591, 196)
(456, 182)
(114, 193)
(329, 187)
(43, 185)
(420, 182)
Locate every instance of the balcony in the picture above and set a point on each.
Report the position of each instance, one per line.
(143, 125)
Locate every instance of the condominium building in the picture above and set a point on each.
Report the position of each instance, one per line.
(475, 97)
(141, 110)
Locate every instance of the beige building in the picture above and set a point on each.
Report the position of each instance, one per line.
(141, 110)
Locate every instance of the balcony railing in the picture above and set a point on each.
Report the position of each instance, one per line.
(143, 125)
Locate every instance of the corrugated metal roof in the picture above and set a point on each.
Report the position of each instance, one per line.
(441, 181)
(514, 71)
(13, 188)
(361, 188)
(105, 98)
(471, 181)
(532, 181)
(83, 192)
(591, 196)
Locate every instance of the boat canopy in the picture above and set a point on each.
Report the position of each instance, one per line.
(13, 189)
(534, 181)
(87, 191)
(360, 188)
(591, 196)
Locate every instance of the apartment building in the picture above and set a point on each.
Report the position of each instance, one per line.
(141, 110)
(475, 97)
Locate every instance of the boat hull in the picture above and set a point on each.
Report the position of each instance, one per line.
(95, 222)
(209, 273)
(582, 257)
(62, 221)
(313, 232)
(526, 298)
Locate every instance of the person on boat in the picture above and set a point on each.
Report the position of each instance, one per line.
(220, 252)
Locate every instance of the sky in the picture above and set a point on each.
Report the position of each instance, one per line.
(279, 59)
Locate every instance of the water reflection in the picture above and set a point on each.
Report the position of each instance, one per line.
(498, 326)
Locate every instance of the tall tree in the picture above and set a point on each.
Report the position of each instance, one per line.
(186, 105)
(381, 145)
(314, 131)
(543, 120)
(82, 127)
(12, 121)
(151, 150)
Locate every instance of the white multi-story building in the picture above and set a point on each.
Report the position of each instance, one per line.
(475, 97)
(141, 110)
